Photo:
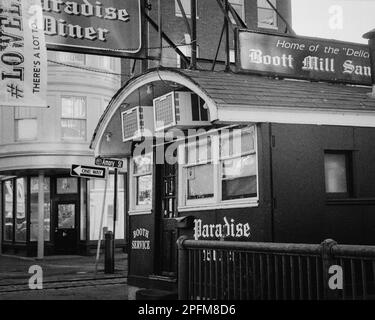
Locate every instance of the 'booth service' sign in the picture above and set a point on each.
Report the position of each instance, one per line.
(89, 26)
(306, 58)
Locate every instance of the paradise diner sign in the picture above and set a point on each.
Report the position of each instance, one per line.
(111, 27)
(301, 57)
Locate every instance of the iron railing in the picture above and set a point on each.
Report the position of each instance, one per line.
(231, 270)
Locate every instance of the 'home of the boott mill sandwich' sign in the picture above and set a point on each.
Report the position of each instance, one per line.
(303, 58)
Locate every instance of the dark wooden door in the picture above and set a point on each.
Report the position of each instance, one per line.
(167, 211)
(65, 227)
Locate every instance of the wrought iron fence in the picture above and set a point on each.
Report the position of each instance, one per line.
(231, 270)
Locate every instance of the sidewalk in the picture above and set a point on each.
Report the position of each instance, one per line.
(14, 269)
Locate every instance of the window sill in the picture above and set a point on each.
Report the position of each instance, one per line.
(162, 278)
(222, 205)
(265, 26)
(136, 212)
(351, 201)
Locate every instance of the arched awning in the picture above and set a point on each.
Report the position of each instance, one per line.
(238, 98)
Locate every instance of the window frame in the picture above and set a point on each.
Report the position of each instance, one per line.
(24, 113)
(178, 12)
(3, 202)
(134, 208)
(238, 3)
(263, 25)
(216, 201)
(349, 175)
(80, 139)
(47, 180)
(186, 165)
(65, 57)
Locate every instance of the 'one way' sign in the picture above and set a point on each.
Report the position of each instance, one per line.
(87, 172)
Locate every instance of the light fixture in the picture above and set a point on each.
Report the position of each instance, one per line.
(108, 136)
(149, 88)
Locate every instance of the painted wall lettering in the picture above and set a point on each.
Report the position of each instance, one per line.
(229, 228)
(141, 244)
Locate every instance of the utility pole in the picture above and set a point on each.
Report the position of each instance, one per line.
(193, 14)
(114, 214)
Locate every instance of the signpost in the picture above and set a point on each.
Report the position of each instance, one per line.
(302, 57)
(112, 163)
(87, 171)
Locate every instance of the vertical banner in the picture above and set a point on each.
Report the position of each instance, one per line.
(23, 55)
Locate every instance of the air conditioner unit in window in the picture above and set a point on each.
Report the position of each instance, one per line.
(135, 122)
(180, 109)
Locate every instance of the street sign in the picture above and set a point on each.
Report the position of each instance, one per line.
(109, 162)
(87, 172)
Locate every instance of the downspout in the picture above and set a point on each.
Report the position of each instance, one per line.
(371, 43)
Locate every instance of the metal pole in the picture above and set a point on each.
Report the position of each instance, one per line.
(193, 14)
(183, 269)
(160, 31)
(227, 50)
(114, 215)
(101, 223)
(41, 216)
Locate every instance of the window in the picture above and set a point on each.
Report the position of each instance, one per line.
(199, 170)
(106, 62)
(267, 17)
(238, 164)
(95, 196)
(26, 124)
(8, 210)
(73, 118)
(34, 211)
(20, 221)
(69, 57)
(186, 4)
(141, 182)
(186, 50)
(66, 185)
(220, 169)
(337, 167)
(15, 210)
(237, 5)
(232, 56)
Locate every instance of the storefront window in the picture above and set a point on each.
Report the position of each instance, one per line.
(220, 169)
(96, 196)
(21, 225)
(142, 180)
(199, 169)
(8, 210)
(238, 164)
(34, 211)
(66, 185)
